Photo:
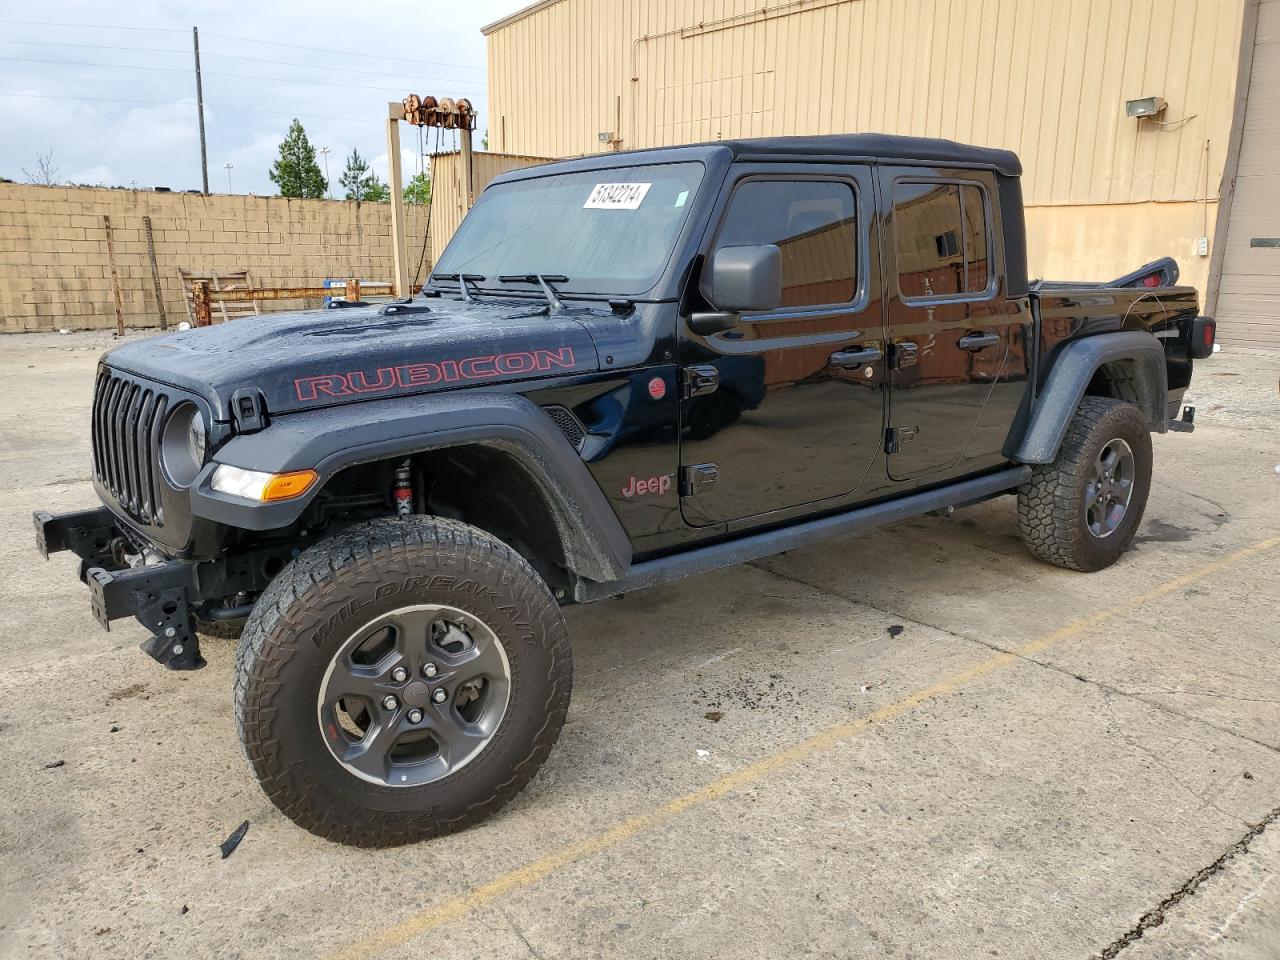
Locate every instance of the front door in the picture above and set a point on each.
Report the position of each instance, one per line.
(786, 408)
(956, 337)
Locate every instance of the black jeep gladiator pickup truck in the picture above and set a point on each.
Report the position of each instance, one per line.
(625, 369)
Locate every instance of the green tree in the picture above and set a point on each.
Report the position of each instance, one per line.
(295, 171)
(418, 190)
(375, 191)
(361, 183)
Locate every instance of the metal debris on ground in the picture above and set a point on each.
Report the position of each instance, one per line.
(896, 629)
(54, 763)
(229, 845)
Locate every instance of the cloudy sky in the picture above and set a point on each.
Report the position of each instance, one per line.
(109, 87)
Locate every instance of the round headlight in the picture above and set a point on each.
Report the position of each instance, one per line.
(196, 439)
(183, 445)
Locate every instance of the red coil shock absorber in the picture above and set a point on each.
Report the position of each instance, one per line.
(403, 490)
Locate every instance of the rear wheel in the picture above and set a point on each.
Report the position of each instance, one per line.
(1082, 510)
(402, 680)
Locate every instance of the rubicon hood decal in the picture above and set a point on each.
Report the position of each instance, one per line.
(302, 361)
(409, 376)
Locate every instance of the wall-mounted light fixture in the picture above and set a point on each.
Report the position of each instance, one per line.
(1145, 107)
(605, 136)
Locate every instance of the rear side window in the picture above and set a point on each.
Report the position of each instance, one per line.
(942, 239)
(813, 224)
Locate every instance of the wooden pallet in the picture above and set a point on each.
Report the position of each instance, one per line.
(231, 280)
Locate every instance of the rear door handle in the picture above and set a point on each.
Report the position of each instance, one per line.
(978, 341)
(855, 358)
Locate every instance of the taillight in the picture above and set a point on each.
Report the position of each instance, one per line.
(1151, 280)
(1204, 330)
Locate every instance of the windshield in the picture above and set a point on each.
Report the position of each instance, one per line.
(608, 231)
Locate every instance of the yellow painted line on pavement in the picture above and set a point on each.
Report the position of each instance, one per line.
(459, 906)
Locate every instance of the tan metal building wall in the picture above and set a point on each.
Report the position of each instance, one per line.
(1248, 307)
(1046, 78)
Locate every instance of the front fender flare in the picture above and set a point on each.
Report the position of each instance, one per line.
(1073, 369)
(331, 439)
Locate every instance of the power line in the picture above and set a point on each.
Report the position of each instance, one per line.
(237, 76)
(227, 36)
(75, 98)
(92, 26)
(345, 53)
(231, 56)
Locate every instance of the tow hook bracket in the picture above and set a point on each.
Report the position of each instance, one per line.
(157, 596)
(174, 642)
(1188, 421)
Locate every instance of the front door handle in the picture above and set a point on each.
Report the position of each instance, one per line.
(856, 358)
(978, 341)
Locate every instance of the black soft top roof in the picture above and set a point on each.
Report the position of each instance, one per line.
(877, 146)
(837, 148)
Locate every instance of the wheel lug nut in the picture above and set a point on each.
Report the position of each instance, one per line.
(440, 696)
(399, 674)
(390, 702)
(415, 715)
(429, 670)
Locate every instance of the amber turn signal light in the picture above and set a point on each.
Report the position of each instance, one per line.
(286, 486)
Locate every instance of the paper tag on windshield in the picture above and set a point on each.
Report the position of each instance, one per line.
(616, 196)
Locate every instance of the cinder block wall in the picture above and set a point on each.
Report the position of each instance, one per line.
(55, 272)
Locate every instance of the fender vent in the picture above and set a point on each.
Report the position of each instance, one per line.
(569, 425)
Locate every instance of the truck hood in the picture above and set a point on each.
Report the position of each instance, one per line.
(300, 361)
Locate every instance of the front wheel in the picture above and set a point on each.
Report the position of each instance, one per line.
(1082, 510)
(402, 680)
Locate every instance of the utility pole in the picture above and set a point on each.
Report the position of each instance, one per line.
(324, 152)
(204, 161)
(228, 165)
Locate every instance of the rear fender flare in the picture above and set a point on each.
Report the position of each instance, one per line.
(332, 439)
(1074, 369)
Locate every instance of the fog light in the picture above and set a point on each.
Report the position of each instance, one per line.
(257, 485)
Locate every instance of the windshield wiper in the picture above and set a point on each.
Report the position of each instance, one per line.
(544, 281)
(462, 279)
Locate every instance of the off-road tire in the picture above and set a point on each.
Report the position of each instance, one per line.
(1052, 507)
(298, 624)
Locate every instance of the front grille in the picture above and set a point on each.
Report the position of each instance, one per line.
(569, 425)
(128, 420)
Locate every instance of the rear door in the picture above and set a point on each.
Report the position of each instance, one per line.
(956, 338)
(795, 417)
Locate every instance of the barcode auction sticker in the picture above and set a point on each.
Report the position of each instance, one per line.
(616, 196)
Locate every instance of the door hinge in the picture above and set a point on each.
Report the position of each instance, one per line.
(895, 437)
(248, 410)
(903, 355)
(699, 380)
(695, 479)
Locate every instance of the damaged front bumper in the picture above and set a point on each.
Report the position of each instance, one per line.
(161, 595)
(164, 595)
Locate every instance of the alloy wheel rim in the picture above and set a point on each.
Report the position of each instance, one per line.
(1110, 488)
(414, 695)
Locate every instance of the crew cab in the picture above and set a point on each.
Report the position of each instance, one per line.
(625, 369)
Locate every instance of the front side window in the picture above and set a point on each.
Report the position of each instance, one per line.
(941, 238)
(609, 231)
(813, 224)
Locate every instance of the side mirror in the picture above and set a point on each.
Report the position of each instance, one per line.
(739, 280)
